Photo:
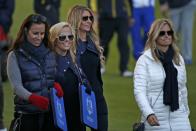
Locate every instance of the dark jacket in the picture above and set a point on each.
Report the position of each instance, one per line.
(112, 8)
(48, 8)
(6, 11)
(36, 78)
(89, 60)
(175, 3)
(66, 66)
(68, 76)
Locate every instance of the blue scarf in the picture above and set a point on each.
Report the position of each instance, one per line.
(36, 52)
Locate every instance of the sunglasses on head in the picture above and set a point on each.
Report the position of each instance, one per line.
(85, 18)
(65, 37)
(169, 33)
(38, 19)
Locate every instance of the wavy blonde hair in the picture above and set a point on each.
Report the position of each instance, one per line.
(53, 38)
(153, 35)
(75, 19)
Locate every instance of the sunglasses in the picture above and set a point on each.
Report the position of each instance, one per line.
(66, 37)
(38, 19)
(169, 33)
(85, 18)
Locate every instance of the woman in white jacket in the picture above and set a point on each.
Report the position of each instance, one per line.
(160, 81)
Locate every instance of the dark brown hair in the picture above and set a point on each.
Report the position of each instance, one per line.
(24, 28)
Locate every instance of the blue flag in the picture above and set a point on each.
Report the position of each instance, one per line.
(88, 107)
(58, 110)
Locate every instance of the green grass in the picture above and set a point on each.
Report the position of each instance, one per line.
(118, 91)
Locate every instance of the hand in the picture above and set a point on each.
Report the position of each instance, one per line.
(87, 85)
(59, 89)
(39, 101)
(152, 120)
(88, 90)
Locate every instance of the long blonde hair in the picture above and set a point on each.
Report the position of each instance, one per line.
(153, 36)
(75, 19)
(53, 35)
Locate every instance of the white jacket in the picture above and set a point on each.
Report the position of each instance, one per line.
(149, 77)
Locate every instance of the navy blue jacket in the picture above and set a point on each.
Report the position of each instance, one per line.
(64, 63)
(68, 77)
(36, 78)
(89, 60)
(6, 11)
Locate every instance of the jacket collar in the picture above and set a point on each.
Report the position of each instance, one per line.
(88, 45)
(148, 53)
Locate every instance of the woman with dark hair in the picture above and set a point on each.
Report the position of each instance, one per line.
(31, 70)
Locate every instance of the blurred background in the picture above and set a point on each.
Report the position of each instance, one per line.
(123, 111)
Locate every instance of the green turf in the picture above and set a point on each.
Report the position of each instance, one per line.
(118, 91)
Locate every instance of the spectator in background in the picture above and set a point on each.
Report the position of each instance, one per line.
(113, 17)
(181, 13)
(48, 8)
(141, 20)
(90, 57)
(6, 12)
(160, 81)
(31, 70)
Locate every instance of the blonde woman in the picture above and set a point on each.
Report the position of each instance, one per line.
(160, 81)
(62, 40)
(90, 57)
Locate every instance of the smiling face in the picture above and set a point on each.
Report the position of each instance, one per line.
(65, 39)
(165, 37)
(36, 33)
(86, 22)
